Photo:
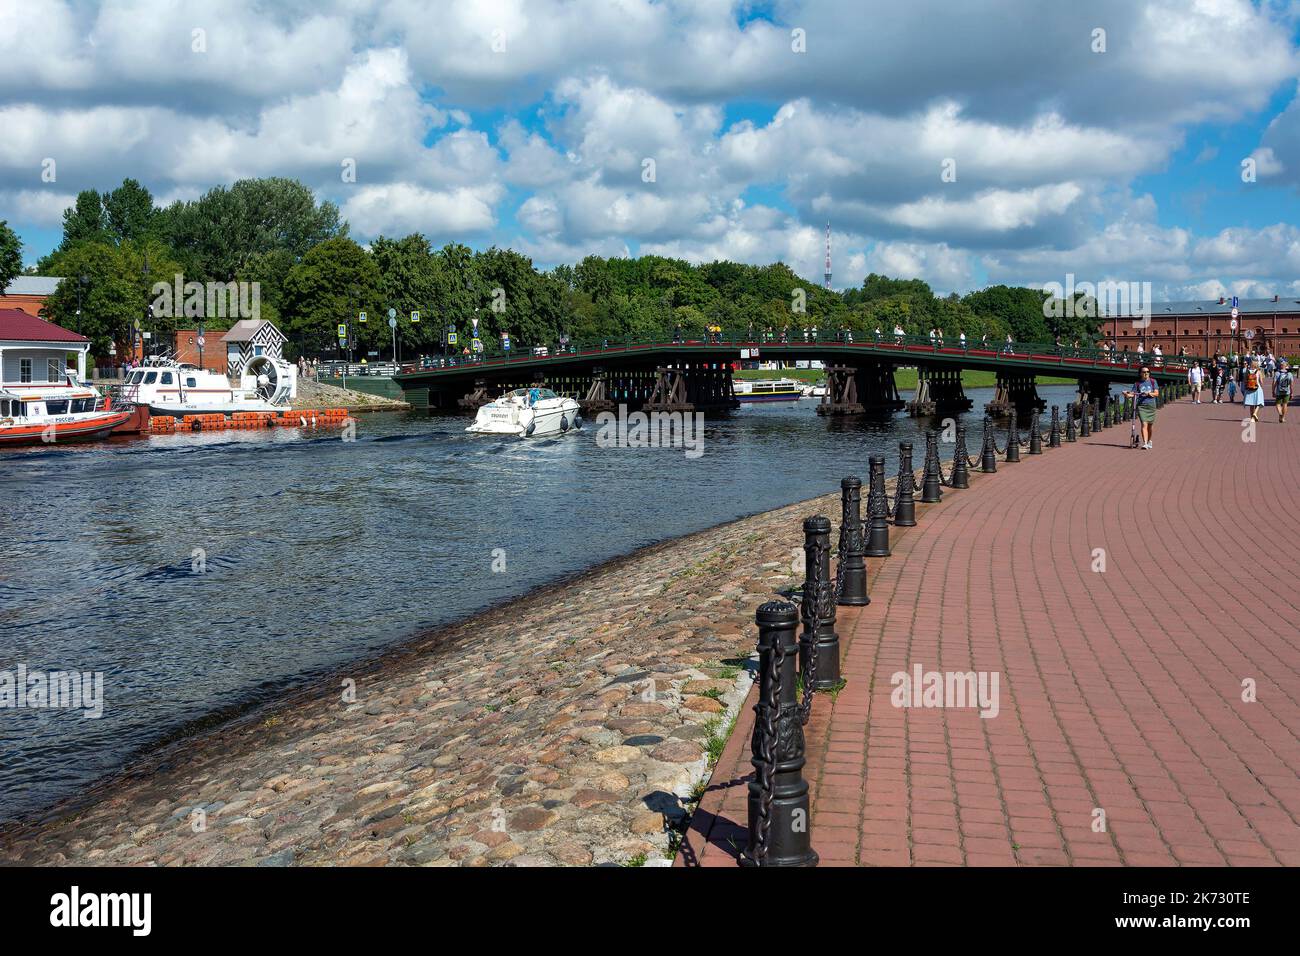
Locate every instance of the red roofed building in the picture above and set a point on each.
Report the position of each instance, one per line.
(34, 351)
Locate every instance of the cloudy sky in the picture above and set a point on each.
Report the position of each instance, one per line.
(965, 143)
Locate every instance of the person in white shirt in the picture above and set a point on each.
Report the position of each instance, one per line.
(962, 339)
(1159, 355)
(1194, 379)
(898, 334)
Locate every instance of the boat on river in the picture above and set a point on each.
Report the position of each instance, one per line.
(527, 413)
(55, 412)
(168, 387)
(767, 390)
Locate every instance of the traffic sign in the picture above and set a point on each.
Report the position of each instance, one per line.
(1235, 312)
(361, 317)
(343, 330)
(1234, 305)
(1233, 325)
(478, 344)
(451, 338)
(415, 316)
(392, 323)
(201, 341)
(1249, 334)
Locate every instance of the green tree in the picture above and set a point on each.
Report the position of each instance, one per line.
(335, 281)
(84, 220)
(116, 294)
(129, 212)
(11, 255)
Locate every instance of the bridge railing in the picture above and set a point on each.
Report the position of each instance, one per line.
(917, 346)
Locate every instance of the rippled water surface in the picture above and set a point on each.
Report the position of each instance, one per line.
(319, 551)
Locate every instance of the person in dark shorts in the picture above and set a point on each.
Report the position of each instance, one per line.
(1282, 389)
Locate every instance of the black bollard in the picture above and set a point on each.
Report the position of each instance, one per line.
(1085, 423)
(779, 831)
(904, 500)
(1013, 438)
(988, 455)
(960, 476)
(930, 479)
(1070, 434)
(1054, 435)
(1096, 414)
(877, 511)
(819, 645)
(852, 566)
(1035, 438)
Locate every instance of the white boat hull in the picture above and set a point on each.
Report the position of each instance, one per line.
(552, 417)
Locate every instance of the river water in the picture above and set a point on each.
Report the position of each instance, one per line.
(208, 571)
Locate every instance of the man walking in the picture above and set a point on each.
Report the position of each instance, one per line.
(1282, 389)
(1194, 378)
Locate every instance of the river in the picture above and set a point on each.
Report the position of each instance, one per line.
(201, 573)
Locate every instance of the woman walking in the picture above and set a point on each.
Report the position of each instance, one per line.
(1252, 389)
(1145, 393)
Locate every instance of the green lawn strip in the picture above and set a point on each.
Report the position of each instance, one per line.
(904, 377)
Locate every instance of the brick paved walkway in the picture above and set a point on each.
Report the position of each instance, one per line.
(1119, 690)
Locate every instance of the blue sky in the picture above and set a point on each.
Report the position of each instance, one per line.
(531, 124)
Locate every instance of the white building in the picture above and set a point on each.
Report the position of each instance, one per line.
(36, 352)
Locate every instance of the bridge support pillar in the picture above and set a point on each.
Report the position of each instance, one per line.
(841, 396)
(1015, 390)
(477, 398)
(669, 392)
(597, 398)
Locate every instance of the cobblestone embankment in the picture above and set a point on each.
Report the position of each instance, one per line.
(567, 727)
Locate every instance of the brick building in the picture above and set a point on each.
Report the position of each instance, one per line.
(28, 293)
(1204, 327)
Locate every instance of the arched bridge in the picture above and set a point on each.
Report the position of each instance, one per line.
(689, 375)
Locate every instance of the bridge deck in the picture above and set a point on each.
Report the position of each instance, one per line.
(1037, 361)
(1119, 690)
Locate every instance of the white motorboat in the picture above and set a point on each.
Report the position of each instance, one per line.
(174, 388)
(528, 413)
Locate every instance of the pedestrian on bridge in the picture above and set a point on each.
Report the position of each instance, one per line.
(1144, 394)
(1194, 378)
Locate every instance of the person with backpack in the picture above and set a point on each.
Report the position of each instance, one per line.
(1252, 389)
(1232, 384)
(1282, 389)
(1145, 393)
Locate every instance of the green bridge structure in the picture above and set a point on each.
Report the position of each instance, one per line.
(696, 375)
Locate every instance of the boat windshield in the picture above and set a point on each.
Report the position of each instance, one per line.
(531, 395)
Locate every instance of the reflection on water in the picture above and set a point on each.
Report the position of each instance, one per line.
(319, 551)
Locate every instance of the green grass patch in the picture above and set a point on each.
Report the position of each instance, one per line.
(905, 378)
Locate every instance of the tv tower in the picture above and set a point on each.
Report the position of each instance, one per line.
(828, 255)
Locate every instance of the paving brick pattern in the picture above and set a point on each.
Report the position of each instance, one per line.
(1119, 689)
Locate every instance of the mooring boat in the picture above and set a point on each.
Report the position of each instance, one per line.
(527, 413)
(168, 387)
(767, 390)
(56, 412)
